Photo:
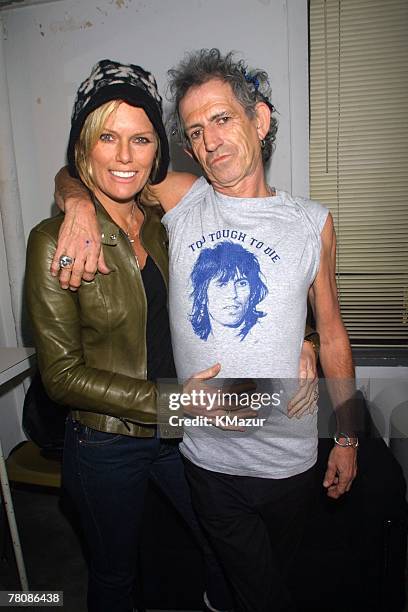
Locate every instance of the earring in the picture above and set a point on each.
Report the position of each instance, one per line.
(263, 143)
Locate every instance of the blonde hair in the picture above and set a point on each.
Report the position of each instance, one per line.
(92, 129)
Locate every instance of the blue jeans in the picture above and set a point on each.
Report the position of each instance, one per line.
(106, 476)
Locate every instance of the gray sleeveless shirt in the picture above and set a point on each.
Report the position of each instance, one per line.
(240, 270)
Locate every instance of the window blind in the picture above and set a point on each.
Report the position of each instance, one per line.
(359, 157)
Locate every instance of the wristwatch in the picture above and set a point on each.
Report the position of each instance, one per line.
(346, 441)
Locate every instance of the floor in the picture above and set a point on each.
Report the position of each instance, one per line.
(52, 550)
(53, 555)
(47, 539)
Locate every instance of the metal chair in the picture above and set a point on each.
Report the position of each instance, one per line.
(27, 464)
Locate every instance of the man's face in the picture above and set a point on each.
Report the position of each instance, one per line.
(223, 139)
(227, 301)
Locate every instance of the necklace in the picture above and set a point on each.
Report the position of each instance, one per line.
(127, 230)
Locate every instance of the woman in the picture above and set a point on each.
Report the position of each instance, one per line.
(100, 350)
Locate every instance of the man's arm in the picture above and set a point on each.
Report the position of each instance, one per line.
(80, 233)
(170, 191)
(336, 360)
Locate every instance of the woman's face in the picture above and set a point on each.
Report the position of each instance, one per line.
(227, 301)
(123, 156)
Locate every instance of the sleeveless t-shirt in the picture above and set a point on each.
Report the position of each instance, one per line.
(240, 270)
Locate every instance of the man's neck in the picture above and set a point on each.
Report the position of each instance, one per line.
(247, 188)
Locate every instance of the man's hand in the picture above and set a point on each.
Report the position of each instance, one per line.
(207, 396)
(80, 238)
(341, 470)
(305, 400)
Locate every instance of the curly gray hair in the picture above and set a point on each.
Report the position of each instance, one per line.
(250, 86)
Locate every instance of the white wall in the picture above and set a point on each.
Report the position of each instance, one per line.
(386, 388)
(50, 48)
(11, 400)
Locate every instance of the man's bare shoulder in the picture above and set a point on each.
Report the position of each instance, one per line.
(328, 236)
(172, 189)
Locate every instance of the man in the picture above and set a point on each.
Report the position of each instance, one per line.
(251, 491)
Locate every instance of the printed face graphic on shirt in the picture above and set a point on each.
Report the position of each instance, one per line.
(228, 300)
(227, 288)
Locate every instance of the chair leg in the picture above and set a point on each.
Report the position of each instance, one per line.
(11, 519)
(4, 533)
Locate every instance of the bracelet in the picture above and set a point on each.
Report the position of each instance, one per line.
(348, 441)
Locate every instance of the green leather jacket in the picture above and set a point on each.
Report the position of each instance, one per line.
(91, 344)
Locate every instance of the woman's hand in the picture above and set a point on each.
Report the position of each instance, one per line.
(305, 400)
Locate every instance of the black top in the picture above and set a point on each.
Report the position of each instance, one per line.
(160, 363)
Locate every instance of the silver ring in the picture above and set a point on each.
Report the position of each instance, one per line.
(66, 261)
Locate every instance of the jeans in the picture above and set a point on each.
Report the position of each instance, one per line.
(106, 476)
